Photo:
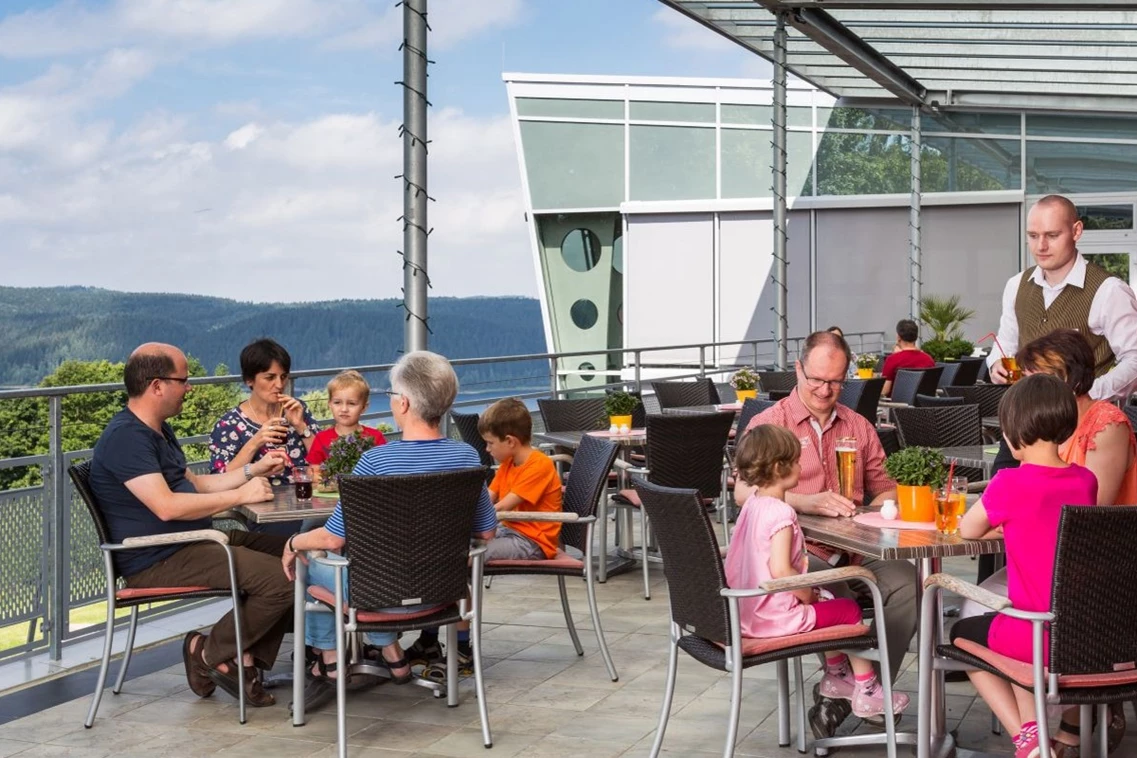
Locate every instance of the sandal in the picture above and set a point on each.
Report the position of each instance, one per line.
(320, 688)
(1115, 732)
(255, 694)
(197, 670)
(375, 655)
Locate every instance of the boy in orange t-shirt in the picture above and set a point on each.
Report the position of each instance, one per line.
(526, 481)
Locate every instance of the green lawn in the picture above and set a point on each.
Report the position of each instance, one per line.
(94, 614)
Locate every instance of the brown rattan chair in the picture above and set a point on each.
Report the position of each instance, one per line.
(912, 382)
(751, 408)
(705, 620)
(1093, 635)
(863, 396)
(967, 373)
(777, 380)
(939, 427)
(947, 376)
(573, 415)
(678, 394)
(986, 396)
(467, 424)
(682, 451)
(591, 464)
(937, 401)
(132, 598)
(408, 544)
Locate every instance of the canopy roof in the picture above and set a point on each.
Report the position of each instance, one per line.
(1049, 55)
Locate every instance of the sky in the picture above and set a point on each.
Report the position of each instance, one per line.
(248, 148)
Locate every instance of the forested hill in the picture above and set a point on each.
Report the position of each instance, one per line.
(42, 327)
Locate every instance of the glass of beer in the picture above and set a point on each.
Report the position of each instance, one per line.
(951, 503)
(846, 466)
(302, 480)
(1011, 366)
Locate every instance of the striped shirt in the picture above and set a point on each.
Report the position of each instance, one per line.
(420, 457)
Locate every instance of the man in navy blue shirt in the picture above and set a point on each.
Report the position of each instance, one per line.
(143, 487)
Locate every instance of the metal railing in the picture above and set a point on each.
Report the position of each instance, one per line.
(50, 563)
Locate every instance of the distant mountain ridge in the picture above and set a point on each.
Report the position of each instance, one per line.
(42, 327)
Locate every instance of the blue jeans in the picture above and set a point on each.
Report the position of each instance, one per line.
(320, 627)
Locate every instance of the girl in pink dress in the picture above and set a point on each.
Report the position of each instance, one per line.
(1025, 504)
(768, 544)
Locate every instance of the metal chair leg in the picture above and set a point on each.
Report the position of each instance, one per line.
(799, 683)
(668, 691)
(452, 665)
(568, 616)
(590, 589)
(476, 651)
(342, 670)
(1103, 730)
(108, 641)
(128, 651)
(735, 701)
(645, 527)
(783, 669)
(1086, 726)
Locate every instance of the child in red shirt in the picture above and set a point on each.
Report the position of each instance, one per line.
(348, 395)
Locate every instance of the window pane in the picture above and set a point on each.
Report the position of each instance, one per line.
(1096, 217)
(747, 160)
(797, 115)
(889, 119)
(863, 164)
(747, 114)
(649, 111)
(560, 108)
(981, 123)
(1111, 127)
(574, 165)
(672, 163)
(1068, 167)
(970, 165)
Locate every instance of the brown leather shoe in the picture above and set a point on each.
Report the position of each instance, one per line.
(255, 694)
(197, 673)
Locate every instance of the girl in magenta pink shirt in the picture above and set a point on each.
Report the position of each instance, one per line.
(1024, 504)
(768, 544)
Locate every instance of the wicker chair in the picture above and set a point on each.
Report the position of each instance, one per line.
(750, 409)
(573, 415)
(591, 464)
(912, 382)
(678, 394)
(682, 451)
(936, 401)
(986, 396)
(777, 395)
(467, 424)
(777, 380)
(968, 372)
(408, 542)
(133, 597)
(863, 396)
(939, 427)
(950, 370)
(1093, 640)
(727, 394)
(705, 620)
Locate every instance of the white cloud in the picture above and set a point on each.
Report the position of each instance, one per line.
(451, 21)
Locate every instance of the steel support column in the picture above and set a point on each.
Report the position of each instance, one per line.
(781, 327)
(59, 566)
(914, 264)
(415, 199)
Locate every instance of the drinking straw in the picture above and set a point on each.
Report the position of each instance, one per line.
(950, 472)
(996, 339)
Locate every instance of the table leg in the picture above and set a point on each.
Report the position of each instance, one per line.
(298, 658)
(942, 743)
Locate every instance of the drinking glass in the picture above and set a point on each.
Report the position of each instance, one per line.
(951, 503)
(274, 412)
(1011, 366)
(846, 466)
(302, 480)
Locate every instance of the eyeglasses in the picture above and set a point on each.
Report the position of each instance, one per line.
(815, 384)
(392, 393)
(182, 380)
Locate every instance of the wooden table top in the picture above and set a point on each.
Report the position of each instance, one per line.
(284, 507)
(693, 410)
(634, 438)
(976, 456)
(891, 544)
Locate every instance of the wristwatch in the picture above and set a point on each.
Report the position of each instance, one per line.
(307, 432)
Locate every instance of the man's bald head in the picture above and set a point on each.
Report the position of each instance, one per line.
(1064, 204)
(147, 362)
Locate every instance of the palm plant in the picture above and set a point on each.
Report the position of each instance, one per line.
(944, 316)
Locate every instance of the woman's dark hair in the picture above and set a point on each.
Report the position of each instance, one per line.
(259, 355)
(1038, 407)
(1066, 354)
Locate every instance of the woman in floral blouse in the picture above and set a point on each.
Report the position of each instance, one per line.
(243, 434)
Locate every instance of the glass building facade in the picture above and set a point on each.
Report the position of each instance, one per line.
(648, 197)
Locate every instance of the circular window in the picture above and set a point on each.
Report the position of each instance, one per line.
(584, 314)
(586, 366)
(581, 249)
(618, 254)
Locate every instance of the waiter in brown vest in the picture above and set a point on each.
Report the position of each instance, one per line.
(1066, 291)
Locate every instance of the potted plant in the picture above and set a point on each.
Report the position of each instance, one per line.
(917, 471)
(745, 383)
(343, 454)
(619, 406)
(945, 317)
(866, 364)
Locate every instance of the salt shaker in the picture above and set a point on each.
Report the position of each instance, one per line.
(613, 429)
(889, 511)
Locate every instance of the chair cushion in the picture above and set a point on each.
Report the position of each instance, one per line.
(627, 497)
(762, 645)
(326, 596)
(560, 560)
(137, 593)
(1021, 671)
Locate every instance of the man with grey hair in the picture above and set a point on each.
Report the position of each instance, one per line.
(423, 387)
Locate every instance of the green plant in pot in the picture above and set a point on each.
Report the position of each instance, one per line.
(945, 317)
(917, 471)
(619, 406)
(343, 454)
(745, 383)
(866, 364)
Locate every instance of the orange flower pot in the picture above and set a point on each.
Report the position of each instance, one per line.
(915, 503)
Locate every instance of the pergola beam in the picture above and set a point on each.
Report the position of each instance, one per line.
(950, 5)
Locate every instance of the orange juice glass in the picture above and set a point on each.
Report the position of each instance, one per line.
(951, 503)
(1011, 366)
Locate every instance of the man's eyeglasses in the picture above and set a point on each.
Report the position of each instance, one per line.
(182, 380)
(815, 384)
(392, 393)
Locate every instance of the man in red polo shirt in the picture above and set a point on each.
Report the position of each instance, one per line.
(906, 354)
(813, 414)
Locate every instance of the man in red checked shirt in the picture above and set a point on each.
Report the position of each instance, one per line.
(815, 417)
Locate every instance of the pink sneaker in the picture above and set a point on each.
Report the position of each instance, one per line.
(869, 700)
(1029, 747)
(840, 684)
